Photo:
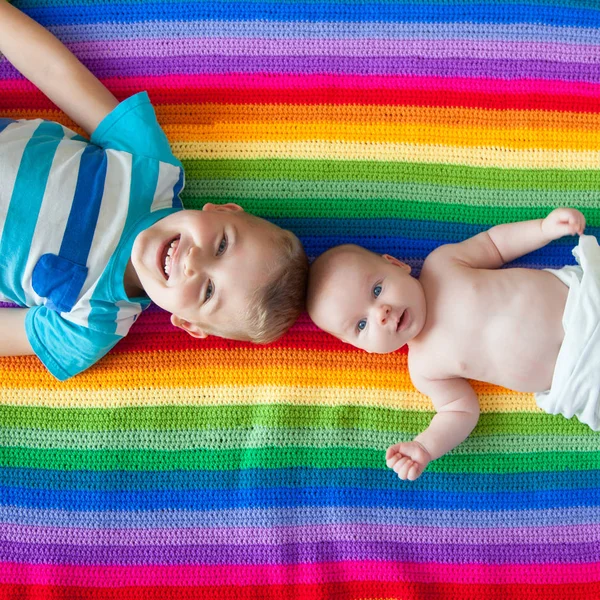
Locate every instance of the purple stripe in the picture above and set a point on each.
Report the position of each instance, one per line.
(300, 553)
(359, 532)
(471, 68)
(337, 47)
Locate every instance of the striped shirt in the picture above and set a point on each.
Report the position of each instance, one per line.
(70, 210)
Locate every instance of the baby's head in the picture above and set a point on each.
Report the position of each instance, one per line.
(221, 271)
(365, 299)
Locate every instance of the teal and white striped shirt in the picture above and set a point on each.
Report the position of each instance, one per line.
(70, 210)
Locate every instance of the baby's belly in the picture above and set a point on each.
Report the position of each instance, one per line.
(518, 339)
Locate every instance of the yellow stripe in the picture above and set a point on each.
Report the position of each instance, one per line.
(389, 152)
(385, 132)
(504, 401)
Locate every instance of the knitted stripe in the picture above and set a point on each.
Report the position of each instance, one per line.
(178, 468)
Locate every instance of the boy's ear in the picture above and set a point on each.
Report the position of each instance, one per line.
(230, 206)
(393, 260)
(194, 330)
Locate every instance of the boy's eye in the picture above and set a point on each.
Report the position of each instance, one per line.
(376, 290)
(361, 324)
(222, 246)
(209, 291)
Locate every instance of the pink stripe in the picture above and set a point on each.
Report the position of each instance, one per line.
(12, 573)
(359, 532)
(235, 81)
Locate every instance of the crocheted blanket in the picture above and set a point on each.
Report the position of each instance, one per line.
(179, 468)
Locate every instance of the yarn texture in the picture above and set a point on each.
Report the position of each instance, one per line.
(179, 468)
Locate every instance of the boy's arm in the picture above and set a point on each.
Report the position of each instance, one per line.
(49, 65)
(457, 414)
(503, 243)
(13, 339)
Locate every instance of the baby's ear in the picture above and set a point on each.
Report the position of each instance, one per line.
(395, 261)
(194, 330)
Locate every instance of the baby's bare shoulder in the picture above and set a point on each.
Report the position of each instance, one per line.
(444, 263)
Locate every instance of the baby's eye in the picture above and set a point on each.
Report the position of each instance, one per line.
(361, 324)
(222, 246)
(376, 290)
(209, 291)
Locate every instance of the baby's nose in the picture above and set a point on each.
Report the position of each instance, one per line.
(384, 313)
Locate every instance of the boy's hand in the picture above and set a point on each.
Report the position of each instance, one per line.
(563, 221)
(407, 459)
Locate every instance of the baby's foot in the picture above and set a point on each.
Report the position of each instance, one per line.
(407, 459)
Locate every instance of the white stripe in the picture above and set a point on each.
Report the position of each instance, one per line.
(54, 211)
(126, 314)
(111, 221)
(13, 140)
(168, 176)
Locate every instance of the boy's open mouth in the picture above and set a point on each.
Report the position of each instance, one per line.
(168, 255)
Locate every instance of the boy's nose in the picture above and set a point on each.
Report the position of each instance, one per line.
(190, 261)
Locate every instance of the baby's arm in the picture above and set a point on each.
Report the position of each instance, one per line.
(45, 61)
(503, 243)
(13, 339)
(457, 414)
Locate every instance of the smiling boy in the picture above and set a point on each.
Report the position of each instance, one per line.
(91, 231)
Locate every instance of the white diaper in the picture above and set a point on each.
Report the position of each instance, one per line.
(576, 381)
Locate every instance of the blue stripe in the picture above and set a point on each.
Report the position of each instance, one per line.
(4, 123)
(177, 190)
(338, 12)
(83, 217)
(141, 193)
(293, 30)
(373, 479)
(403, 497)
(25, 204)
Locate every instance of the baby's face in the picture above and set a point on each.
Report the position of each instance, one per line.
(367, 300)
(203, 266)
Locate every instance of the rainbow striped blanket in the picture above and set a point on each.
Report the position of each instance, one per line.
(179, 468)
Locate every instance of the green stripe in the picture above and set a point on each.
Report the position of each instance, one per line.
(441, 174)
(259, 436)
(415, 211)
(274, 457)
(273, 416)
(199, 191)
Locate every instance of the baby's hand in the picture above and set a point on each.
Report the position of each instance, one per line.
(563, 221)
(407, 459)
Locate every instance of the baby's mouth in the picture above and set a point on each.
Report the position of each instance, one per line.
(402, 321)
(168, 255)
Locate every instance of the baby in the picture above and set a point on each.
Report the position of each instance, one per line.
(466, 318)
(92, 230)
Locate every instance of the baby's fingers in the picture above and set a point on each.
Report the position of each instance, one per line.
(407, 469)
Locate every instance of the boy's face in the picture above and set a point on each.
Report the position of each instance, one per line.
(203, 266)
(369, 301)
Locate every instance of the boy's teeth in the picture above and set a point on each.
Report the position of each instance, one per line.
(169, 256)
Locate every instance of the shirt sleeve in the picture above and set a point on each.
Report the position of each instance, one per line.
(65, 348)
(132, 127)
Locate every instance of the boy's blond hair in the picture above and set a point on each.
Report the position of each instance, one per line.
(275, 306)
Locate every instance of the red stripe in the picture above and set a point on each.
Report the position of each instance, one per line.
(154, 332)
(28, 100)
(339, 591)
